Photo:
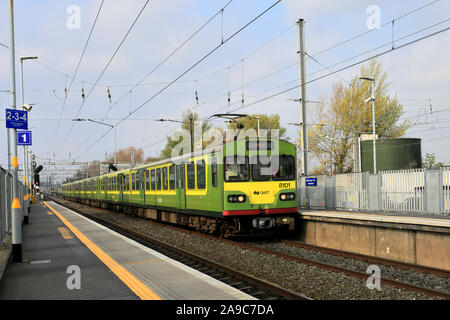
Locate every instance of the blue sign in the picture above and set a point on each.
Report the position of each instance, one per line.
(16, 119)
(311, 182)
(24, 138)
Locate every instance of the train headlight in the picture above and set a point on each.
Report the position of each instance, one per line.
(287, 196)
(236, 198)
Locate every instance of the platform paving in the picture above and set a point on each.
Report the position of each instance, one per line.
(48, 249)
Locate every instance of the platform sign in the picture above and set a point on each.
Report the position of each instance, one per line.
(24, 138)
(311, 182)
(16, 119)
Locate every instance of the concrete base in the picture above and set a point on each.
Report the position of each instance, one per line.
(422, 245)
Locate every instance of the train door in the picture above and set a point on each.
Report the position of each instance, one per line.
(141, 186)
(181, 187)
(120, 186)
(104, 192)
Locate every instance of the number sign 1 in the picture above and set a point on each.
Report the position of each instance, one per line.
(24, 138)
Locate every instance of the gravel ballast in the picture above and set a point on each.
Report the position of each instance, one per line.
(308, 280)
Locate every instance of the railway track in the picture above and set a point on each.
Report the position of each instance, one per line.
(371, 259)
(325, 266)
(255, 287)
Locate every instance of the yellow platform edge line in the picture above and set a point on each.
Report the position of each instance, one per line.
(139, 288)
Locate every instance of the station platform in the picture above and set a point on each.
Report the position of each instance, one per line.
(67, 256)
(416, 239)
(382, 217)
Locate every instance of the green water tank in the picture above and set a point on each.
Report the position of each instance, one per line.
(392, 154)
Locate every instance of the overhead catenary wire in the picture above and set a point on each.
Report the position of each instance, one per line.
(106, 67)
(175, 51)
(341, 62)
(190, 68)
(353, 64)
(76, 70)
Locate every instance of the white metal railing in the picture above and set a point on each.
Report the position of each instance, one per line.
(403, 190)
(445, 174)
(352, 191)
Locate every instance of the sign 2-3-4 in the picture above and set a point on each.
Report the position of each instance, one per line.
(16, 119)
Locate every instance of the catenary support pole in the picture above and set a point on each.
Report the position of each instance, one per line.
(16, 224)
(301, 42)
(25, 200)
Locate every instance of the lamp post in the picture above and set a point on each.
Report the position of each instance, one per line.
(372, 99)
(105, 124)
(26, 208)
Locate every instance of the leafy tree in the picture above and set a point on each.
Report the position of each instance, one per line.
(152, 159)
(429, 162)
(269, 122)
(198, 141)
(124, 155)
(346, 116)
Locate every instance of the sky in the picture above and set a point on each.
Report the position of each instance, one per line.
(257, 62)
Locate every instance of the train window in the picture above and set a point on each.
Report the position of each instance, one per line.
(133, 182)
(191, 175)
(182, 184)
(236, 168)
(152, 179)
(177, 170)
(172, 177)
(285, 169)
(261, 168)
(165, 184)
(201, 174)
(147, 180)
(214, 171)
(158, 179)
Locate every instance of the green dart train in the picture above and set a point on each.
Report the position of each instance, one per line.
(241, 187)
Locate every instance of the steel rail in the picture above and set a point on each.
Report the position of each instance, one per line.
(371, 259)
(325, 266)
(260, 283)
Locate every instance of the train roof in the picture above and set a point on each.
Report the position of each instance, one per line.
(181, 158)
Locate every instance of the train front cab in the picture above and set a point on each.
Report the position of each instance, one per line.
(260, 191)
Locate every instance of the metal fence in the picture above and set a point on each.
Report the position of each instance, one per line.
(352, 191)
(6, 201)
(403, 190)
(4, 208)
(445, 174)
(312, 196)
(421, 191)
